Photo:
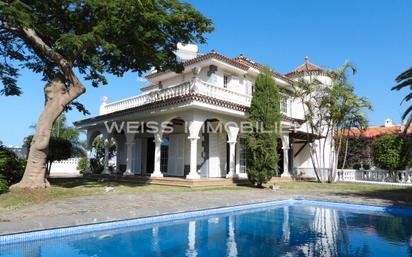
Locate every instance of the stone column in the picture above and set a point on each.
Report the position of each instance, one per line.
(129, 157)
(193, 174)
(158, 144)
(285, 147)
(106, 142)
(232, 156)
(232, 130)
(88, 156)
(138, 156)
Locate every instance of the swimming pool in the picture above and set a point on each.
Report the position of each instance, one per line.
(281, 228)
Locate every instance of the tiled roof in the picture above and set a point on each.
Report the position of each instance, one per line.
(375, 131)
(211, 54)
(305, 67)
(244, 60)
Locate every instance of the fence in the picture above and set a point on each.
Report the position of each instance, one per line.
(65, 168)
(401, 177)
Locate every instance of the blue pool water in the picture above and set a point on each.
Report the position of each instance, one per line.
(292, 229)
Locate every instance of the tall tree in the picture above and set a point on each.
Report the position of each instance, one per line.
(261, 143)
(64, 143)
(62, 39)
(329, 108)
(404, 80)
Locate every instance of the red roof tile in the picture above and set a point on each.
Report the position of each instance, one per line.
(375, 131)
(211, 54)
(244, 60)
(305, 67)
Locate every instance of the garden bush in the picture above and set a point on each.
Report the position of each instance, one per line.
(390, 152)
(356, 166)
(95, 165)
(11, 167)
(4, 187)
(366, 166)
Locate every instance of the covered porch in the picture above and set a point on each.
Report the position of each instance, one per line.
(189, 144)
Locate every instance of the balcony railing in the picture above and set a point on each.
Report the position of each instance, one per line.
(401, 177)
(197, 86)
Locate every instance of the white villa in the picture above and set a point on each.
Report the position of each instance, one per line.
(211, 89)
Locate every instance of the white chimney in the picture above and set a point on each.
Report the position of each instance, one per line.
(388, 123)
(186, 52)
(104, 102)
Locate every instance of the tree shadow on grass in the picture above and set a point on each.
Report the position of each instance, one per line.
(395, 196)
(92, 182)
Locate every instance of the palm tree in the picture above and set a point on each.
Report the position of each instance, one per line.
(63, 131)
(405, 80)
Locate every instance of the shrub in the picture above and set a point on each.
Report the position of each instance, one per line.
(95, 166)
(366, 166)
(11, 167)
(4, 187)
(390, 152)
(81, 165)
(356, 166)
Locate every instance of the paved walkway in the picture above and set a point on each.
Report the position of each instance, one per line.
(116, 206)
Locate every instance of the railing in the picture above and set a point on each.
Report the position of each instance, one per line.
(196, 86)
(221, 93)
(375, 176)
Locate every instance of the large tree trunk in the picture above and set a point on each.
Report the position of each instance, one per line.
(57, 97)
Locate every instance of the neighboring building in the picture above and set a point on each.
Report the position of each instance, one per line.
(372, 132)
(360, 142)
(212, 88)
(20, 152)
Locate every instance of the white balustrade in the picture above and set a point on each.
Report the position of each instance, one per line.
(197, 86)
(377, 176)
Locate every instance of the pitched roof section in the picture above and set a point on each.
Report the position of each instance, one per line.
(305, 67)
(244, 60)
(211, 54)
(376, 131)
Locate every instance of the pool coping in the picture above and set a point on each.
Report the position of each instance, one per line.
(42, 234)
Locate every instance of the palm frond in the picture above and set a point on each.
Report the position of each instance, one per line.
(407, 112)
(403, 84)
(404, 75)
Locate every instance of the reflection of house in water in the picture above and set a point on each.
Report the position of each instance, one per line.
(325, 225)
(231, 242)
(191, 239)
(319, 237)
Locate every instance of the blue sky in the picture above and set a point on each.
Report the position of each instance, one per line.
(374, 35)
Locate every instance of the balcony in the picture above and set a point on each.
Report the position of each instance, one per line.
(197, 87)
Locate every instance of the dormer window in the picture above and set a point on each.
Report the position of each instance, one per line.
(226, 80)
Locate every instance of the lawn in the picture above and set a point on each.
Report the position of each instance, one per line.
(65, 188)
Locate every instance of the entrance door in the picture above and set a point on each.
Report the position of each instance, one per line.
(176, 155)
(150, 155)
(217, 155)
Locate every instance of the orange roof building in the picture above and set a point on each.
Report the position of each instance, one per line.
(376, 131)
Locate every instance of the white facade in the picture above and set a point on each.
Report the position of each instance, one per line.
(212, 90)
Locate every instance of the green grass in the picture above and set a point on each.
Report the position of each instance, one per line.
(66, 188)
